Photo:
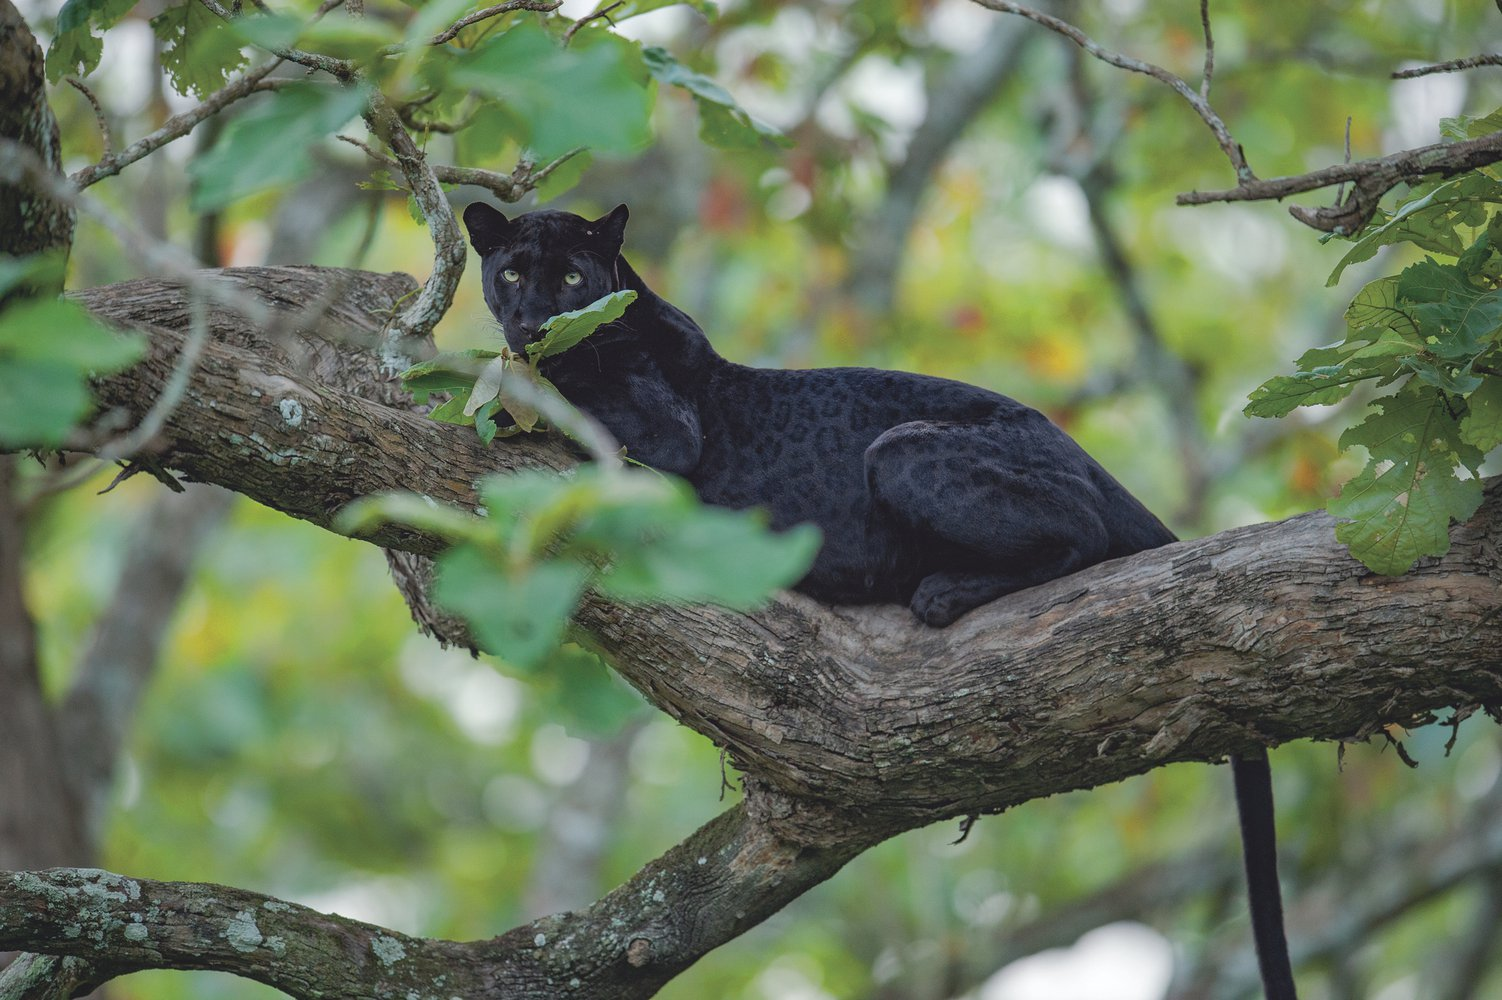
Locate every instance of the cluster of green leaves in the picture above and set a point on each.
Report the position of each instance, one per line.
(49, 348)
(1433, 331)
(482, 384)
(512, 83)
(517, 573)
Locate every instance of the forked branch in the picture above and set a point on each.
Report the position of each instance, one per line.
(1369, 179)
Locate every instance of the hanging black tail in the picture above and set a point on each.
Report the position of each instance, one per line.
(1259, 846)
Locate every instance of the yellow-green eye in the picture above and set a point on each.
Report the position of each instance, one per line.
(572, 278)
(511, 276)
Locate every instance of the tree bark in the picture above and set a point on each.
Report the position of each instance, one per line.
(851, 724)
(30, 222)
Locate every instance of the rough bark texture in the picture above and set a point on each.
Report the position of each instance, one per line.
(851, 724)
(29, 221)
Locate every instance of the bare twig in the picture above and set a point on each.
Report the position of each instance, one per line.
(341, 69)
(506, 187)
(599, 12)
(1372, 179)
(104, 124)
(1209, 51)
(1201, 106)
(175, 127)
(1452, 66)
(540, 6)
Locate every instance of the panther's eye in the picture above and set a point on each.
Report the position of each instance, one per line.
(572, 278)
(511, 276)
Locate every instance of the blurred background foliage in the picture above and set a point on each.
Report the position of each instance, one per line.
(966, 196)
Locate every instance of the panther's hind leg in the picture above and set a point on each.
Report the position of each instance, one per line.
(989, 508)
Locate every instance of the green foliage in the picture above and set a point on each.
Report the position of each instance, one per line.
(484, 383)
(590, 94)
(75, 48)
(49, 348)
(722, 121)
(517, 573)
(569, 328)
(199, 50)
(1435, 331)
(271, 144)
(1400, 506)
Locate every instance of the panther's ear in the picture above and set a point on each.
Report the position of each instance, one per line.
(488, 228)
(610, 229)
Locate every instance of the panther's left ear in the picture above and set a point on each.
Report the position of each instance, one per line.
(610, 229)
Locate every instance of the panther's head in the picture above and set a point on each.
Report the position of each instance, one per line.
(543, 263)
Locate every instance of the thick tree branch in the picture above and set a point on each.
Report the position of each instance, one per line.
(1250, 637)
(850, 723)
(123, 650)
(726, 878)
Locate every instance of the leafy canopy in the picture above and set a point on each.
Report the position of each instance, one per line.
(1434, 332)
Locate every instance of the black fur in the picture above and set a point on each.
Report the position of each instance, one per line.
(936, 494)
(932, 493)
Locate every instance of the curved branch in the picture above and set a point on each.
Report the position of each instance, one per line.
(726, 878)
(1255, 636)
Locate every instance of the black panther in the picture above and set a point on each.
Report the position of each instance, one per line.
(931, 493)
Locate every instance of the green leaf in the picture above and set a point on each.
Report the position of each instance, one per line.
(1461, 317)
(1428, 219)
(363, 516)
(1463, 127)
(487, 385)
(448, 371)
(48, 350)
(722, 121)
(199, 50)
(1399, 507)
(1376, 307)
(586, 696)
(1326, 375)
(519, 615)
(1481, 428)
(584, 95)
(567, 329)
(270, 145)
(75, 49)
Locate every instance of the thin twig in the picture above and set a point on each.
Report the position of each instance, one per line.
(104, 125)
(541, 6)
(1201, 107)
(1452, 66)
(1340, 192)
(568, 36)
(1209, 51)
(506, 187)
(341, 69)
(176, 127)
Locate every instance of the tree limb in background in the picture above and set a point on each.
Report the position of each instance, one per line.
(954, 102)
(1370, 179)
(125, 645)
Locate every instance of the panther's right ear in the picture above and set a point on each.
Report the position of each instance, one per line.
(488, 228)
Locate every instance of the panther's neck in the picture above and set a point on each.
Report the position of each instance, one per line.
(675, 341)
